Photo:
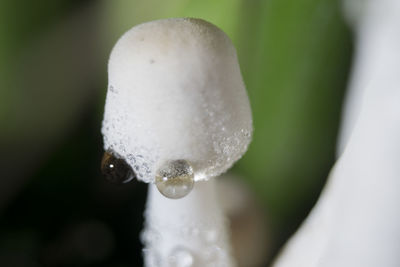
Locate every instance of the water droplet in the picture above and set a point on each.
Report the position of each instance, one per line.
(175, 179)
(180, 257)
(195, 231)
(210, 236)
(115, 169)
(212, 254)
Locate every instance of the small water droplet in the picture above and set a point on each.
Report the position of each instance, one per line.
(210, 236)
(246, 133)
(175, 179)
(115, 169)
(194, 231)
(212, 254)
(180, 257)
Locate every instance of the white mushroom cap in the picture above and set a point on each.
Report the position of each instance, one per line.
(176, 92)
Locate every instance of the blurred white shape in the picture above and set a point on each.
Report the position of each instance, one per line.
(377, 56)
(356, 222)
(248, 223)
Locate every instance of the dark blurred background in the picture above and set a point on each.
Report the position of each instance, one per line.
(55, 207)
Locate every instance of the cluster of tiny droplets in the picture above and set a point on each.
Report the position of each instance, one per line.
(209, 232)
(140, 160)
(226, 143)
(181, 256)
(228, 151)
(227, 147)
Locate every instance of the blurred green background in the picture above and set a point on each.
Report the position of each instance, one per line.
(55, 207)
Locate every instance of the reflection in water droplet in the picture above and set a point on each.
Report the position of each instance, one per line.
(115, 169)
(175, 179)
(180, 257)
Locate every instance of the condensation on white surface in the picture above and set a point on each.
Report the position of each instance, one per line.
(176, 93)
(191, 231)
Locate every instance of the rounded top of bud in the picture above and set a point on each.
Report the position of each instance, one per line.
(176, 93)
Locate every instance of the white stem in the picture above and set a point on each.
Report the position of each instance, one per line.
(191, 231)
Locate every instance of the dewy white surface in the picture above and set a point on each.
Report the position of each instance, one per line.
(176, 92)
(356, 222)
(191, 231)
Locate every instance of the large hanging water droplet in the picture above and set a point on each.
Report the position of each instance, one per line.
(175, 179)
(180, 257)
(115, 169)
